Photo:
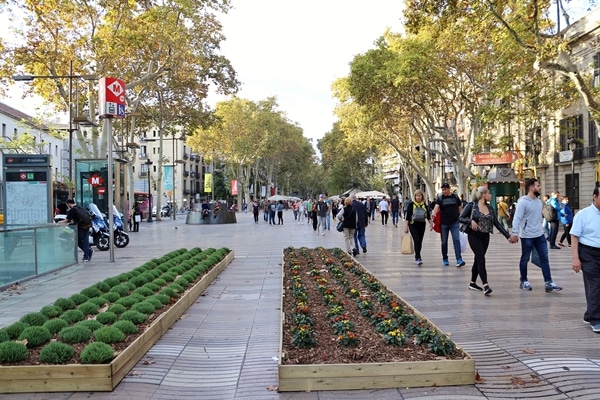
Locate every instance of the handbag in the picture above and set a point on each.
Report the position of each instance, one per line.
(463, 241)
(406, 245)
(535, 258)
(137, 218)
(437, 223)
(466, 228)
(340, 226)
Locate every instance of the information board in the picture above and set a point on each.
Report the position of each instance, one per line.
(26, 203)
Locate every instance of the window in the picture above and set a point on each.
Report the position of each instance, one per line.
(3, 130)
(592, 132)
(571, 127)
(596, 81)
(143, 151)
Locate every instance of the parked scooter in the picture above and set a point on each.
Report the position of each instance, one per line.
(99, 229)
(121, 237)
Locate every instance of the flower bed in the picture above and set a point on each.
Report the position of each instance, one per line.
(97, 350)
(343, 329)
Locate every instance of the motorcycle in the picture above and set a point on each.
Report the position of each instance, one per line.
(121, 238)
(99, 229)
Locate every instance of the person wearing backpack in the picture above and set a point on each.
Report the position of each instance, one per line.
(551, 215)
(80, 217)
(416, 222)
(450, 207)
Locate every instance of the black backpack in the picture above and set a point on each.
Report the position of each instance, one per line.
(549, 213)
(84, 217)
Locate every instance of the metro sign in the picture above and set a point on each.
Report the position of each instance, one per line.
(111, 94)
(96, 180)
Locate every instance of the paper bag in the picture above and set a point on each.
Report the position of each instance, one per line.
(406, 245)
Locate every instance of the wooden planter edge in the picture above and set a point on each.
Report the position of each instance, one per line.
(309, 377)
(103, 377)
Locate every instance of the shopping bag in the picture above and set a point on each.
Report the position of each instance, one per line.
(137, 218)
(437, 223)
(340, 226)
(406, 245)
(535, 258)
(463, 241)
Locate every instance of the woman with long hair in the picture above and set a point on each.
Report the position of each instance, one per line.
(416, 215)
(480, 219)
(348, 217)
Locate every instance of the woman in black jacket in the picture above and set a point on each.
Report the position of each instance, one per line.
(417, 214)
(480, 220)
(348, 217)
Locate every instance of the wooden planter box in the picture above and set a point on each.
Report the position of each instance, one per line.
(103, 377)
(308, 377)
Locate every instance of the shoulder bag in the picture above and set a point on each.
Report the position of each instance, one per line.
(466, 228)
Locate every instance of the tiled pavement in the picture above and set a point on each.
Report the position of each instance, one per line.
(526, 344)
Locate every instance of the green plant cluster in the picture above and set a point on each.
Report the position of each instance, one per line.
(106, 311)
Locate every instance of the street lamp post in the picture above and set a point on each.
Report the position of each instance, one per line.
(148, 163)
(70, 77)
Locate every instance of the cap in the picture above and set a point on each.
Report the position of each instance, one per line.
(321, 196)
(445, 185)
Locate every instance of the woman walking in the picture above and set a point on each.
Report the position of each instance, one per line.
(566, 219)
(348, 217)
(480, 219)
(417, 215)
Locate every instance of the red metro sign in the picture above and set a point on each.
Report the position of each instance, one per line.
(96, 180)
(508, 157)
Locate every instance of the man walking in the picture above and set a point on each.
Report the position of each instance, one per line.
(555, 204)
(395, 206)
(527, 225)
(75, 216)
(384, 211)
(405, 204)
(362, 221)
(503, 214)
(450, 207)
(322, 211)
(585, 250)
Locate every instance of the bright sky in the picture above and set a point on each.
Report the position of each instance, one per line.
(293, 50)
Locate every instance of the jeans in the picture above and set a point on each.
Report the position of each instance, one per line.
(504, 222)
(328, 222)
(546, 228)
(553, 232)
(266, 215)
(359, 237)
(395, 217)
(527, 244)
(322, 224)
(384, 218)
(453, 229)
(272, 217)
(83, 242)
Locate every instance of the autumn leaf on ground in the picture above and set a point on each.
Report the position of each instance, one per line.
(478, 377)
(529, 351)
(515, 380)
(148, 362)
(505, 367)
(134, 373)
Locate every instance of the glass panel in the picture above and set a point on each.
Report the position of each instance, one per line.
(18, 255)
(56, 248)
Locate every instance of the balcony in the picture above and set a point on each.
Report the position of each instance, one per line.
(143, 174)
(192, 157)
(186, 191)
(186, 173)
(143, 155)
(186, 156)
(192, 174)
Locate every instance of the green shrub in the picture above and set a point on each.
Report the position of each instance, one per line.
(97, 353)
(143, 291)
(56, 353)
(55, 325)
(3, 336)
(75, 334)
(91, 324)
(156, 303)
(108, 334)
(65, 304)
(51, 311)
(117, 309)
(130, 286)
(103, 286)
(144, 307)
(72, 316)
(190, 276)
(111, 297)
(79, 298)
(159, 282)
(34, 319)
(111, 282)
(184, 283)
(163, 298)
(122, 290)
(152, 286)
(169, 277)
(127, 327)
(176, 287)
(169, 291)
(134, 316)
(98, 300)
(106, 318)
(139, 280)
(13, 352)
(91, 292)
(15, 329)
(130, 300)
(35, 336)
(122, 277)
(89, 308)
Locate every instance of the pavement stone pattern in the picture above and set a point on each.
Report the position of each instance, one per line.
(527, 344)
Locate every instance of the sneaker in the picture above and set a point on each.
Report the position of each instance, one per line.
(460, 263)
(418, 261)
(445, 262)
(474, 286)
(91, 254)
(552, 287)
(364, 249)
(525, 285)
(596, 328)
(354, 252)
(487, 290)
(585, 321)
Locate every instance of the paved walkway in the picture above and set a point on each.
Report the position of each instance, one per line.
(526, 344)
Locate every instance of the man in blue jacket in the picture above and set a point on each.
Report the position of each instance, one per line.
(553, 201)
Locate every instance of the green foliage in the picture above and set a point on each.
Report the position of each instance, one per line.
(117, 309)
(153, 287)
(104, 287)
(35, 336)
(72, 316)
(79, 298)
(130, 300)
(127, 327)
(169, 277)
(56, 353)
(3, 336)
(169, 291)
(176, 287)
(164, 299)
(12, 352)
(97, 353)
(156, 303)
(106, 318)
(75, 334)
(111, 297)
(441, 345)
(134, 316)
(143, 291)
(122, 290)
(159, 282)
(91, 292)
(183, 282)
(100, 301)
(144, 307)
(108, 334)
(139, 280)
(34, 319)
(90, 324)
(51, 311)
(65, 304)
(13, 331)
(111, 282)
(89, 308)
(55, 325)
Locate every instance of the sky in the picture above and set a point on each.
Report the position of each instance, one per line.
(292, 50)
